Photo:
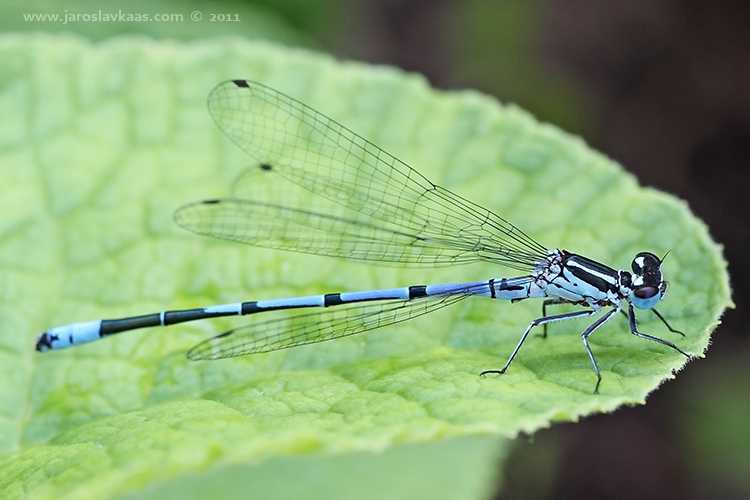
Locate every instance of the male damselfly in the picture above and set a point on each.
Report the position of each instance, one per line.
(378, 209)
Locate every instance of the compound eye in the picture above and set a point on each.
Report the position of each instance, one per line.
(646, 292)
(636, 266)
(645, 260)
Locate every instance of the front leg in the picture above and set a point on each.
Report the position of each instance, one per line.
(634, 331)
(663, 320)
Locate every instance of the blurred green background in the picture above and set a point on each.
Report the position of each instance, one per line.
(662, 87)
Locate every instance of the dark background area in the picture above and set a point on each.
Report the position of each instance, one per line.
(663, 87)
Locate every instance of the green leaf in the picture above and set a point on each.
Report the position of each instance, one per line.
(448, 469)
(101, 143)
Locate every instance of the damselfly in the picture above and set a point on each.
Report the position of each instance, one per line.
(378, 209)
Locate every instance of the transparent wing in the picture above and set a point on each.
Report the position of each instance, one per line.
(379, 208)
(285, 228)
(331, 323)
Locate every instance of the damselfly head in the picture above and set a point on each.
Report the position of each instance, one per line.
(648, 285)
